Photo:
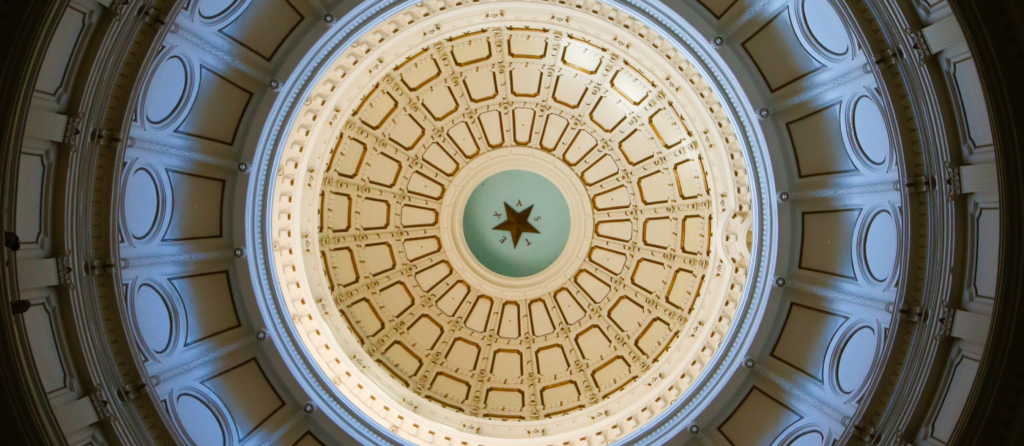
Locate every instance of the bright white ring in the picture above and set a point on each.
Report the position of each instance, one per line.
(581, 218)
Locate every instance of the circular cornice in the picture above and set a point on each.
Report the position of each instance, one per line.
(750, 278)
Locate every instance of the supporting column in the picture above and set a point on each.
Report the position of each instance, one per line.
(971, 327)
(943, 34)
(979, 178)
(76, 416)
(46, 125)
(37, 273)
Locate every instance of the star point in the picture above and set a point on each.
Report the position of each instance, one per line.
(517, 223)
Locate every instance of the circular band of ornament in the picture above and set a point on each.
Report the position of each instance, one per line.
(379, 142)
(581, 217)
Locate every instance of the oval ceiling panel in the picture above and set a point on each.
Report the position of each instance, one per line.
(141, 204)
(813, 438)
(870, 130)
(209, 9)
(855, 360)
(166, 90)
(880, 246)
(200, 423)
(826, 26)
(153, 316)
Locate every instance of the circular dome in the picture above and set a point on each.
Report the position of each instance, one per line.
(427, 154)
(543, 216)
(256, 230)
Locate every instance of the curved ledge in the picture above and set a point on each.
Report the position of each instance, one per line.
(995, 414)
(726, 360)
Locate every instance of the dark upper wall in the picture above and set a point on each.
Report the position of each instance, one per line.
(25, 30)
(995, 33)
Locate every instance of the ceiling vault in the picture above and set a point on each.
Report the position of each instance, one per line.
(493, 222)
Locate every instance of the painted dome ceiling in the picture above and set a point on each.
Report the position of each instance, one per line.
(514, 212)
(496, 222)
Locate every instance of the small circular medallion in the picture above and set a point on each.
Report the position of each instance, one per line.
(516, 223)
(523, 257)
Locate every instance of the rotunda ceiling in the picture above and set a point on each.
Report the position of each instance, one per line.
(512, 213)
(503, 222)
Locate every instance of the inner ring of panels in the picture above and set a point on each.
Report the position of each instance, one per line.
(585, 106)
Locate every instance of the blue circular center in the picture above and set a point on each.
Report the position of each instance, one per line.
(516, 223)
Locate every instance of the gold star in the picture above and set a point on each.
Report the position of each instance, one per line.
(517, 223)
